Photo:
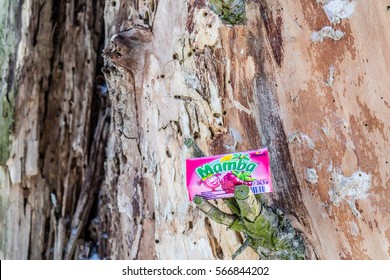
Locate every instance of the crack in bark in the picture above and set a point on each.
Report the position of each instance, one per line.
(216, 249)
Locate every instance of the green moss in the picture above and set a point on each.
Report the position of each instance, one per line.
(6, 121)
(270, 234)
(189, 142)
(229, 11)
(273, 237)
(8, 47)
(7, 56)
(249, 206)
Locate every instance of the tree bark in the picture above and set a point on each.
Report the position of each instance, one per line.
(50, 171)
(272, 76)
(182, 72)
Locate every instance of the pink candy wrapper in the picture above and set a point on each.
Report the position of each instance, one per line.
(216, 176)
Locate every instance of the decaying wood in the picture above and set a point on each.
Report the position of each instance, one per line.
(54, 166)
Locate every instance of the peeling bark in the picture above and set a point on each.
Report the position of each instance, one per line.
(235, 88)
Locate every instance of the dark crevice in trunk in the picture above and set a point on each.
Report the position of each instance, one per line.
(99, 122)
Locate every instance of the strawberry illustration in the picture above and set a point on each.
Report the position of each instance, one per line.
(210, 182)
(235, 178)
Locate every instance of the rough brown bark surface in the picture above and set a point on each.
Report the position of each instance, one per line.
(318, 101)
(48, 182)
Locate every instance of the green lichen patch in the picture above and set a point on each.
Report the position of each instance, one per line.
(6, 120)
(270, 234)
(7, 60)
(229, 11)
(273, 237)
(267, 230)
(249, 206)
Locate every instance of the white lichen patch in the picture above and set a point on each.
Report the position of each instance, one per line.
(192, 81)
(326, 32)
(311, 176)
(330, 80)
(330, 167)
(308, 140)
(325, 130)
(354, 229)
(337, 10)
(301, 138)
(349, 188)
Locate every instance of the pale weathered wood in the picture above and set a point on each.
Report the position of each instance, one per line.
(320, 107)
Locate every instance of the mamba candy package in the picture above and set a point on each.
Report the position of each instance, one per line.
(216, 176)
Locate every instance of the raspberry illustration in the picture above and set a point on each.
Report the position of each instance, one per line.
(235, 178)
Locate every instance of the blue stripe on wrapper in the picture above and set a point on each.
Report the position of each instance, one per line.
(258, 189)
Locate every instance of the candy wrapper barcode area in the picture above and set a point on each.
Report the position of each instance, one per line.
(216, 176)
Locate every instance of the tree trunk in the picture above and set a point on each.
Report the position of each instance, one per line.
(231, 78)
(50, 171)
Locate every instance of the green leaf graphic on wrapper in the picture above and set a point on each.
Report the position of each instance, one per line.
(207, 176)
(239, 156)
(244, 176)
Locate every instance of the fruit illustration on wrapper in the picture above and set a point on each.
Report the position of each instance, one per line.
(236, 178)
(211, 181)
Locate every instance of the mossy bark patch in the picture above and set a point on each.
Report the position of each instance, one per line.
(250, 208)
(273, 237)
(6, 120)
(229, 11)
(8, 39)
(267, 230)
